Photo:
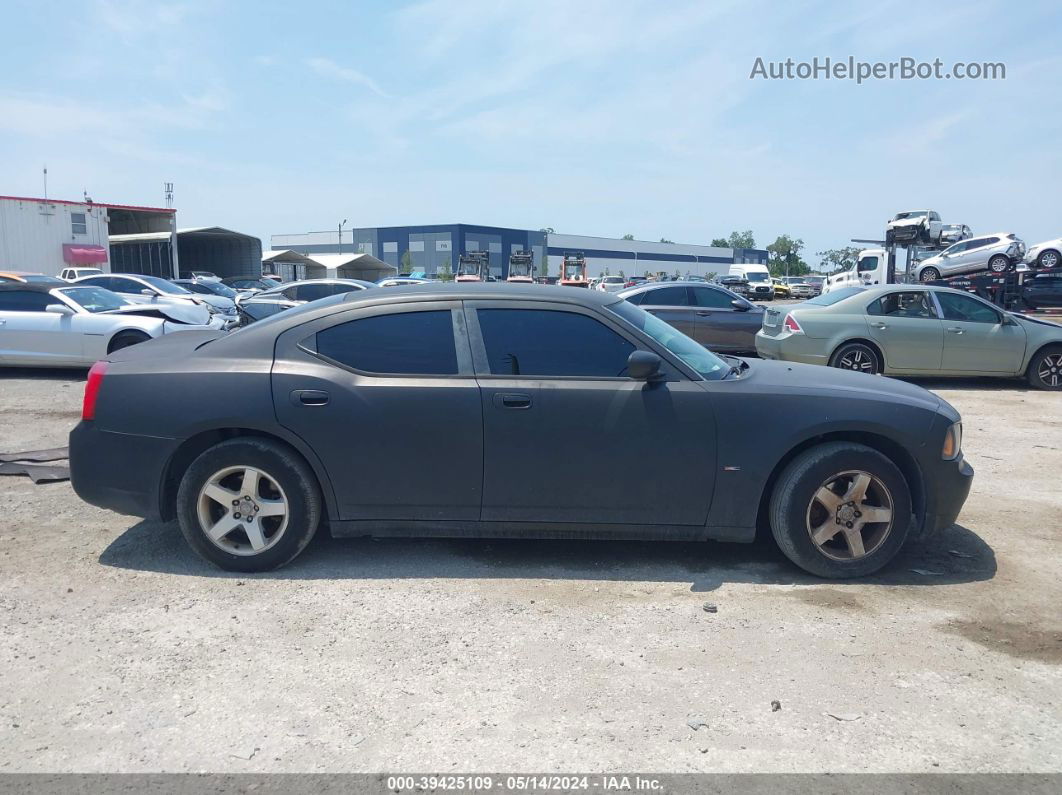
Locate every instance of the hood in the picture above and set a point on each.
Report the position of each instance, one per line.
(936, 259)
(811, 379)
(908, 221)
(1036, 321)
(220, 301)
(184, 312)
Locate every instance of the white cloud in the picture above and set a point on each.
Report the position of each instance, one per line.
(329, 68)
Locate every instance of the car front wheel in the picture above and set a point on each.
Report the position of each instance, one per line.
(1045, 369)
(1048, 259)
(841, 510)
(248, 504)
(858, 357)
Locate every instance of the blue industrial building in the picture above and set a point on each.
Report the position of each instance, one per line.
(434, 247)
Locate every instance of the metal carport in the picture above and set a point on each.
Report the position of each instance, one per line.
(292, 266)
(208, 248)
(354, 266)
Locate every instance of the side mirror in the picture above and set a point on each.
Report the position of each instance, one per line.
(59, 309)
(147, 291)
(644, 366)
(739, 306)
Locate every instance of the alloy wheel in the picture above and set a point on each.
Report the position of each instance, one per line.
(850, 515)
(1050, 370)
(1049, 259)
(859, 360)
(242, 510)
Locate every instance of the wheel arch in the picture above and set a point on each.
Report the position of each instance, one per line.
(1037, 351)
(192, 447)
(127, 330)
(889, 448)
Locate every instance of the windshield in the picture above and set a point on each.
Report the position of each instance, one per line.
(164, 286)
(913, 214)
(692, 353)
(757, 276)
(831, 298)
(94, 299)
(217, 288)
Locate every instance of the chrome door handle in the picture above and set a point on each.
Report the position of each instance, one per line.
(955, 331)
(879, 325)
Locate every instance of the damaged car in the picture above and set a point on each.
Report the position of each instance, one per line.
(914, 226)
(76, 325)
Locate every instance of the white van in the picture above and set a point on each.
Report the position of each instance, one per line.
(759, 278)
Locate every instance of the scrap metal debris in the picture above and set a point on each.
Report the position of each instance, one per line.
(28, 463)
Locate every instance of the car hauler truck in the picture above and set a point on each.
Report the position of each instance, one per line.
(877, 265)
(472, 267)
(521, 267)
(573, 270)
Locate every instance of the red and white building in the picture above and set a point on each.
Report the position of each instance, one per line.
(47, 235)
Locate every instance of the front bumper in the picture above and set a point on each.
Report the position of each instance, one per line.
(947, 494)
(761, 291)
(118, 471)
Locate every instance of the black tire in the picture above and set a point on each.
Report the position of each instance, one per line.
(858, 357)
(124, 339)
(280, 465)
(793, 503)
(1045, 369)
(1048, 255)
(929, 274)
(999, 264)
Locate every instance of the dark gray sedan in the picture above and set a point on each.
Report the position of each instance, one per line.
(712, 315)
(526, 412)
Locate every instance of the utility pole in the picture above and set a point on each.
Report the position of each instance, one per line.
(341, 225)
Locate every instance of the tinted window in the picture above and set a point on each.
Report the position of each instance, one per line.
(551, 343)
(311, 292)
(868, 264)
(706, 296)
(962, 307)
(17, 301)
(637, 298)
(989, 241)
(666, 296)
(106, 282)
(415, 343)
(120, 285)
(915, 303)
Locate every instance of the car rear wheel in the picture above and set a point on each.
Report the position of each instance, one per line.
(1045, 369)
(999, 264)
(856, 356)
(1049, 258)
(841, 510)
(126, 338)
(248, 505)
(929, 274)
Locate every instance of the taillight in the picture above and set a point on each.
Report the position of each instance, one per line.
(791, 325)
(92, 390)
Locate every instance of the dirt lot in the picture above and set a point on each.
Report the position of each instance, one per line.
(121, 651)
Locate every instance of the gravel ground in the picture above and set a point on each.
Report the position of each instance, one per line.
(121, 651)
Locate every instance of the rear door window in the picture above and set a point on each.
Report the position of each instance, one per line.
(552, 343)
(403, 343)
(666, 296)
(912, 303)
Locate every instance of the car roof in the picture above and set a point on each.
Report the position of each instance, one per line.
(34, 287)
(326, 280)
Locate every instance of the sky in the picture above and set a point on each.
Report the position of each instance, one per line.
(602, 117)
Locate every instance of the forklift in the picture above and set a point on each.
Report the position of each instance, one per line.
(472, 267)
(521, 267)
(573, 270)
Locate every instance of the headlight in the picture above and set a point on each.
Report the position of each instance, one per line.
(952, 443)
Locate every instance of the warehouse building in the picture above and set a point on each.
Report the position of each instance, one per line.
(429, 249)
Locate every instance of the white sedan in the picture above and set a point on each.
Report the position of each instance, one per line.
(46, 326)
(611, 284)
